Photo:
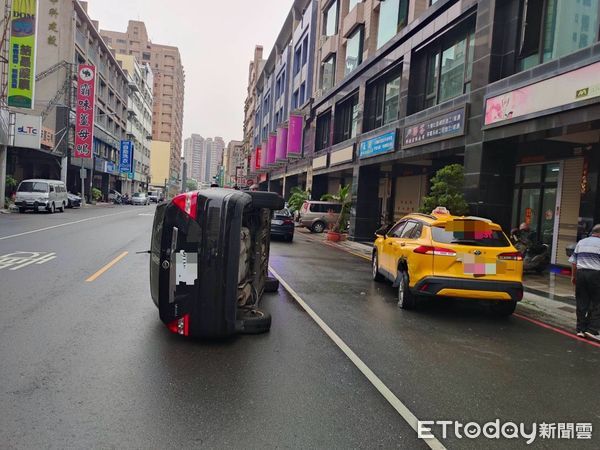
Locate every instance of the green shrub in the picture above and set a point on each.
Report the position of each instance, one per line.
(447, 190)
(96, 194)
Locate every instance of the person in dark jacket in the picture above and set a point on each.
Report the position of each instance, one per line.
(585, 263)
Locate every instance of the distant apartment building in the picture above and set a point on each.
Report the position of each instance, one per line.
(212, 158)
(193, 150)
(139, 121)
(233, 159)
(169, 85)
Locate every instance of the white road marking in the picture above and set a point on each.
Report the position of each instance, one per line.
(146, 215)
(18, 260)
(404, 412)
(61, 225)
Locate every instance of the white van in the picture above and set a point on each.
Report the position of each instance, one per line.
(41, 195)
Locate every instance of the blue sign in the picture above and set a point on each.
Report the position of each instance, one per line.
(379, 145)
(110, 166)
(126, 158)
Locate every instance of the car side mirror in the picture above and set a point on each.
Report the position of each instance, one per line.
(382, 232)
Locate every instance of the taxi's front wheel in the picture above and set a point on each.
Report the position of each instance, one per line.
(375, 267)
(406, 299)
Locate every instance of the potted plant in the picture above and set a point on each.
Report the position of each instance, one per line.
(335, 233)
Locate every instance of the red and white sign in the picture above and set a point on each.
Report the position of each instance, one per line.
(84, 126)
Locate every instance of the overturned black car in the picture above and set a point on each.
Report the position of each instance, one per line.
(209, 261)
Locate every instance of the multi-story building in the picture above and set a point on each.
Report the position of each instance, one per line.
(233, 159)
(67, 36)
(254, 68)
(193, 150)
(212, 158)
(139, 122)
(283, 89)
(508, 89)
(169, 86)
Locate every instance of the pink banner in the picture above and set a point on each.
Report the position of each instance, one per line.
(281, 145)
(84, 112)
(263, 156)
(271, 149)
(294, 142)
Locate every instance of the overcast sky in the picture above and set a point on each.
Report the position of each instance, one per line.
(216, 39)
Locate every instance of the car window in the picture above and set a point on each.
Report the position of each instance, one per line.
(335, 208)
(33, 186)
(397, 229)
(408, 230)
(137, 194)
(491, 238)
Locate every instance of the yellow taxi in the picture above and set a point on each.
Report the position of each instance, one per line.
(439, 254)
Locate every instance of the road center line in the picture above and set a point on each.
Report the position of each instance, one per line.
(106, 267)
(404, 412)
(61, 225)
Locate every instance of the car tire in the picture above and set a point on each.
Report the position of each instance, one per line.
(318, 227)
(271, 284)
(22, 210)
(503, 308)
(406, 299)
(253, 321)
(375, 267)
(268, 200)
(289, 238)
(52, 209)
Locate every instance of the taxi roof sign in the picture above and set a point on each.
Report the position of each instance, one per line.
(440, 210)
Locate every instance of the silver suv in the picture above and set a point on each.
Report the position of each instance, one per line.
(318, 216)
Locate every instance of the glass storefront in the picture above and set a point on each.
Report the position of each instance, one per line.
(534, 200)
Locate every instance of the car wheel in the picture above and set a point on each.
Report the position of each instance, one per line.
(503, 308)
(52, 209)
(289, 237)
(406, 299)
(271, 284)
(22, 210)
(253, 321)
(375, 267)
(318, 227)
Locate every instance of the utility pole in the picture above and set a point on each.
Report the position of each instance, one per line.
(4, 33)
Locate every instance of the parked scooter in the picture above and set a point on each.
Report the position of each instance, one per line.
(536, 256)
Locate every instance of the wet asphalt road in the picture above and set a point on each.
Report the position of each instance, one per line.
(89, 365)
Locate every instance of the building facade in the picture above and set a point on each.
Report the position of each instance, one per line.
(254, 68)
(193, 151)
(508, 89)
(139, 122)
(169, 86)
(67, 37)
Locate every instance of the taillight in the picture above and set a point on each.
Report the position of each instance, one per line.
(436, 251)
(288, 222)
(180, 326)
(188, 203)
(512, 256)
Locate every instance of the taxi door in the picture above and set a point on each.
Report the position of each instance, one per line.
(404, 245)
(386, 258)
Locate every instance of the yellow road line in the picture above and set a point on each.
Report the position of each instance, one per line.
(106, 267)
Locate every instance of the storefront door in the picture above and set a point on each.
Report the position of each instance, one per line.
(535, 200)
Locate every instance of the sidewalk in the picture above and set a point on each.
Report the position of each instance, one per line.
(549, 298)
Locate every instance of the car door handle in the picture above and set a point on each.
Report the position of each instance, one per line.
(402, 244)
(390, 243)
